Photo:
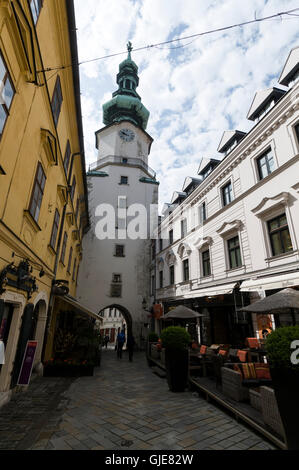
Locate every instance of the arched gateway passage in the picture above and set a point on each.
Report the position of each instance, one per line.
(112, 324)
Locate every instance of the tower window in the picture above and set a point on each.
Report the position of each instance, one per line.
(123, 180)
(116, 278)
(119, 250)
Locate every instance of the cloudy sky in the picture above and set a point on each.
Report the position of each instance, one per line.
(193, 93)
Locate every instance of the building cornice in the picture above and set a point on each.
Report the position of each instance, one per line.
(238, 199)
(282, 111)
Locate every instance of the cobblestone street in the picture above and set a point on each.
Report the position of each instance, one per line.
(123, 406)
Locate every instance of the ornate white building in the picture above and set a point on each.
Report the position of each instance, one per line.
(231, 235)
(116, 263)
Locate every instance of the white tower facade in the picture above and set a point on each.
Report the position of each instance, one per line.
(123, 193)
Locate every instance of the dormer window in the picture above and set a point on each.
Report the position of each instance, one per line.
(295, 79)
(264, 111)
(232, 146)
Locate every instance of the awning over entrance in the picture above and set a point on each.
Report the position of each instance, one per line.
(272, 282)
(211, 291)
(69, 301)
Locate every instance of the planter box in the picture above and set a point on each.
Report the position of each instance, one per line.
(155, 353)
(163, 356)
(67, 371)
(255, 399)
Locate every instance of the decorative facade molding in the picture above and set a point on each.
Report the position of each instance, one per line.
(227, 227)
(296, 187)
(184, 247)
(269, 203)
(170, 258)
(202, 242)
(263, 130)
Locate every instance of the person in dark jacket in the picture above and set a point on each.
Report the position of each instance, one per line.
(130, 346)
(121, 338)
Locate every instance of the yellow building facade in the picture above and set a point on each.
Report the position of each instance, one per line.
(43, 193)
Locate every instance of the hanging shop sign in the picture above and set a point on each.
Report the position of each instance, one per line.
(158, 311)
(27, 365)
(19, 277)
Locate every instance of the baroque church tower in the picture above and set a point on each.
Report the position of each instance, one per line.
(122, 191)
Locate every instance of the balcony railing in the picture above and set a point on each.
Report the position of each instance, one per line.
(124, 161)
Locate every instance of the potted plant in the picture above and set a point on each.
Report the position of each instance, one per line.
(285, 379)
(175, 340)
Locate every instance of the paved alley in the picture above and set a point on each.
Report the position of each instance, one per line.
(123, 406)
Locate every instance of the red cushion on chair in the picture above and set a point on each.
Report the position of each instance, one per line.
(253, 343)
(242, 355)
(223, 352)
(203, 349)
(248, 371)
(262, 370)
(237, 369)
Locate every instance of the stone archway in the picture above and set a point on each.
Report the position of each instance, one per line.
(125, 313)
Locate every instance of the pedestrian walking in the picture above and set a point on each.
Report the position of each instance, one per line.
(130, 346)
(121, 338)
(106, 340)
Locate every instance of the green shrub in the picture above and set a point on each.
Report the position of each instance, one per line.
(152, 337)
(278, 347)
(175, 337)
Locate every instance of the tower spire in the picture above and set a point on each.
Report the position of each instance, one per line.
(126, 103)
(130, 48)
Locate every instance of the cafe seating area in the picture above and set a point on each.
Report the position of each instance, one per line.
(238, 379)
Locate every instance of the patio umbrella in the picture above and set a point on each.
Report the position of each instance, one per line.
(276, 303)
(181, 313)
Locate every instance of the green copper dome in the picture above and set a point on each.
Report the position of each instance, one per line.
(125, 104)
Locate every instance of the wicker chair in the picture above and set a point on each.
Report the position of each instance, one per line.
(155, 354)
(270, 410)
(232, 385)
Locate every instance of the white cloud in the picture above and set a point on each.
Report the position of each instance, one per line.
(192, 93)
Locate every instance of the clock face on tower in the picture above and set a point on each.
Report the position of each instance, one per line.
(126, 134)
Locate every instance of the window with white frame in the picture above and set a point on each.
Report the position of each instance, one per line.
(202, 213)
(279, 235)
(170, 237)
(160, 279)
(206, 263)
(183, 228)
(297, 132)
(171, 275)
(186, 270)
(265, 164)
(234, 252)
(227, 193)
